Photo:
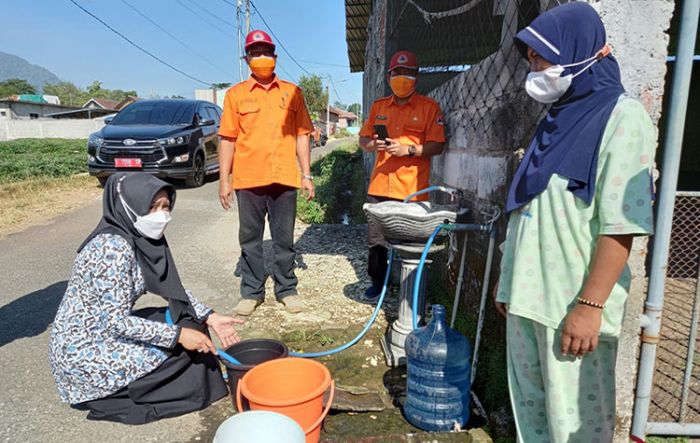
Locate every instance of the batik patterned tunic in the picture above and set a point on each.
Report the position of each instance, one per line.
(97, 346)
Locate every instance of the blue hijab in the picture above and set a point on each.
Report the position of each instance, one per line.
(567, 140)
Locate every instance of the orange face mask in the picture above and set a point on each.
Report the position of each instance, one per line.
(402, 85)
(262, 67)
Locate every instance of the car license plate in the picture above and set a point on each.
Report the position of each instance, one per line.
(127, 162)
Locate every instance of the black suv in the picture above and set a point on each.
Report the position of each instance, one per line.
(168, 138)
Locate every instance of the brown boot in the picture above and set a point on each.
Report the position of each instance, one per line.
(247, 306)
(293, 304)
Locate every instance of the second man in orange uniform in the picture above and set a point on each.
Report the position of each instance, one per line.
(415, 129)
(264, 132)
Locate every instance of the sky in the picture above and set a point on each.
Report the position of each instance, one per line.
(59, 36)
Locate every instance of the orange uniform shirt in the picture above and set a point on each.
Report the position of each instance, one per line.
(414, 123)
(265, 121)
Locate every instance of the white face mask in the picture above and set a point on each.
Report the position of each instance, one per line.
(151, 225)
(548, 85)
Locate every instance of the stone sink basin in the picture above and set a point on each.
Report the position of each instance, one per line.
(409, 222)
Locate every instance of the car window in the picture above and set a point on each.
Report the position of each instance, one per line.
(202, 114)
(155, 113)
(213, 114)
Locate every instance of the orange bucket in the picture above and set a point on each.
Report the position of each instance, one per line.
(290, 386)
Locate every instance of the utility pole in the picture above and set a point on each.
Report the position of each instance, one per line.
(247, 17)
(328, 112)
(238, 32)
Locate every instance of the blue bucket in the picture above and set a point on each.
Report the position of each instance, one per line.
(259, 427)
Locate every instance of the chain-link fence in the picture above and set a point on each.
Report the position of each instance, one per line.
(676, 393)
(451, 37)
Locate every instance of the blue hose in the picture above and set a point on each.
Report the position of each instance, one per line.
(419, 272)
(221, 353)
(367, 325)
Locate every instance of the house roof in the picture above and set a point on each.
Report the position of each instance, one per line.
(440, 32)
(25, 102)
(83, 113)
(127, 101)
(357, 14)
(103, 103)
(341, 113)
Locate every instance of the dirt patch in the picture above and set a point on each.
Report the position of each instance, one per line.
(28, 202)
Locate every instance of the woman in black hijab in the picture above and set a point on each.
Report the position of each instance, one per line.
(124, 365)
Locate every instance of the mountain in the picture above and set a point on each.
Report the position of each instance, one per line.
(12, 66)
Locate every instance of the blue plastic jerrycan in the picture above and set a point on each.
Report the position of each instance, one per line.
(439, 369)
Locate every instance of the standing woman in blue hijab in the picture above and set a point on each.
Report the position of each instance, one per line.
(579, 197)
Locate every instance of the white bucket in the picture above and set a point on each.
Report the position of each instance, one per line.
(259, 427)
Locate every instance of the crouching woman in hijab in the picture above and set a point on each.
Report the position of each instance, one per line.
(132, 366)
(579, 197)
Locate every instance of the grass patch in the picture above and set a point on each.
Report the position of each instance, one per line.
(667, 440)
(32, 158)
(340, 188)
(42, 198)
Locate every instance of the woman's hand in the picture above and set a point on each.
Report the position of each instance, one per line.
(193, 340)
(581, 328)
(502, 308)
(223, 327)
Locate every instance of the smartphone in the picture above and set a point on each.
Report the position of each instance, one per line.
(381, 132)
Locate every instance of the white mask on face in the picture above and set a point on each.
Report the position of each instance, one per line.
(548, 85)
(151, 225)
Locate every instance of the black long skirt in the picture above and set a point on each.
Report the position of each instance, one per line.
(185, 382)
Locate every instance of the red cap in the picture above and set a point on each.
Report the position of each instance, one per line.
(403, 59)
(258, 36)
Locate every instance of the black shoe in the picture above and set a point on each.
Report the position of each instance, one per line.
(371, 295)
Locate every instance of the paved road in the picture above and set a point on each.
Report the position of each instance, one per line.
(321, 151)
(35, 265)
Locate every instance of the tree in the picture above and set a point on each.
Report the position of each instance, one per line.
(340, 105)
(117, 94)
(315, 95)
(71, 95)
(176, 97)
(354, 108)
(15, 86)
(220, 85)
(95, 89)
(67, 92)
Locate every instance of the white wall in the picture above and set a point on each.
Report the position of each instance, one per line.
(64, 128)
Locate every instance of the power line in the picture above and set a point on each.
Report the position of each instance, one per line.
(212, 14)
(324, 64)
(290, 76)
(174, 37)
(215, 26)
(335, 91)
(277, 38)
(230, 3)
(137, 46)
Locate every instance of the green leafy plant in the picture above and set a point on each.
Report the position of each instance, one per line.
(26, 159)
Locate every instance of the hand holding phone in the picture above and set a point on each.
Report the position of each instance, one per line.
(381, 132)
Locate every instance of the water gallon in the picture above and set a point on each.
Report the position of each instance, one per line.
(259, 427)
(438, 362)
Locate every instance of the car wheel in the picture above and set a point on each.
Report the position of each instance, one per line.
(198, 173)
(103, 181)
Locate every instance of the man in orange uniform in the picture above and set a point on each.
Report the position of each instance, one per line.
(264, 132)
(415, 130)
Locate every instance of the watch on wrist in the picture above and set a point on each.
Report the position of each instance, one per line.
(411, 150)
(307, 177)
